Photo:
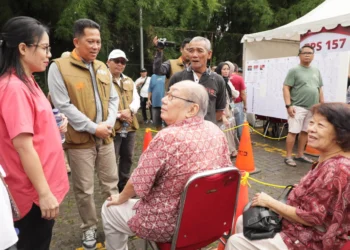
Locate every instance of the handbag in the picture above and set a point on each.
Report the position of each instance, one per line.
(261, 222)
(15, 211)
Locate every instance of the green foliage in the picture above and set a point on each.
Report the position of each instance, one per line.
(286, 12)
(224, 22)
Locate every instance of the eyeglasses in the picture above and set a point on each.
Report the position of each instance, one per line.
(171, 97)
(118, 60)
(47, 48)
(306, 53)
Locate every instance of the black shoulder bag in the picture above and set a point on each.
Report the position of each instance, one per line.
(261, 222)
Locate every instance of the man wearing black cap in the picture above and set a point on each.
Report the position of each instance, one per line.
(143, 83)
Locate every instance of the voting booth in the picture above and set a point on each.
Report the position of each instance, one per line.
(268, 55)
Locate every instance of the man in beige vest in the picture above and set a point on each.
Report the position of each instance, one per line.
(81, 88)
(126, 123)
(170, 67)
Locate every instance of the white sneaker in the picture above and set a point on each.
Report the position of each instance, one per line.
(89, 239)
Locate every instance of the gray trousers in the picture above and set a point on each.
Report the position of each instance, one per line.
(239, 118)
(124, 152)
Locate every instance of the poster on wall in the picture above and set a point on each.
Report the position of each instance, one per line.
(325, 41)
(265, 78)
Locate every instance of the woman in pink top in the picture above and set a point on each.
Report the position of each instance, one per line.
(30, 146)
(317, 213)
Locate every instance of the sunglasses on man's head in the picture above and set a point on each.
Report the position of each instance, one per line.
(119, 60)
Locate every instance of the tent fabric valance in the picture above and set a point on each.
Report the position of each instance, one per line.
(329, 15)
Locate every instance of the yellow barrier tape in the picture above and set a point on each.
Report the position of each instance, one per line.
(268, 137)
(244, 179)
(229, 129)
(271, 138)
(264, 183)
(233, 128)
(99, 246)
(154, 131)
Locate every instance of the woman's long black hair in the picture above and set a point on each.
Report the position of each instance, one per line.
(21, 29)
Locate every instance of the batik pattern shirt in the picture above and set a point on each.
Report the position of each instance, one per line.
(322, 199)
(173, 156)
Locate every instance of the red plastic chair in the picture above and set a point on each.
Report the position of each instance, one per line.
(207, 209)
(346, 246)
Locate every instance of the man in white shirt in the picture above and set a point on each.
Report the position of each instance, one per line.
(8, 236)
(143, 83)
(126, 123)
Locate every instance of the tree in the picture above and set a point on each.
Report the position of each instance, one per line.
(224, 22)
(120, 20)
(237, 18)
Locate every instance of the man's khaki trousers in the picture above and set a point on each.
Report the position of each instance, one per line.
(84, 163)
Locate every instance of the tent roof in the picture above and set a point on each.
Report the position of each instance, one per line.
(329, 14)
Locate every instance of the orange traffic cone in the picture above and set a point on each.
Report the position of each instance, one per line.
(242, 201)
(245, 159)
(147, 139)
(311, 151)
(243, 198)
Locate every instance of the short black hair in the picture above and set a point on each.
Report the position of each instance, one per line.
(185, 41)
(306, 46)
(81, 24)
(337, 114)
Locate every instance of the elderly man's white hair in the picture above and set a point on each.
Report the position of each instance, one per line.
(196, 93)
(200, 39)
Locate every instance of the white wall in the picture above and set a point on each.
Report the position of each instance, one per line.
(266, 49)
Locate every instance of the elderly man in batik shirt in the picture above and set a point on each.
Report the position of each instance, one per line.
(189, 145)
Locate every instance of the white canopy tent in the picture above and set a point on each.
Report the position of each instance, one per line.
(284, 41)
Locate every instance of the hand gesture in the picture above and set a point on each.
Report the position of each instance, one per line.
(149, 103)
(155, 41)
(63, 127)
(114, 200)
(49, 206)
(291, 111)
(261, 199)
(103, 130)
(125, 114)
(225, 121)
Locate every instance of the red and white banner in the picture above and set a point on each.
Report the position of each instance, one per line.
(334, 40)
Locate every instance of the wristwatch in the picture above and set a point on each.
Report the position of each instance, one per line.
(288, 105)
